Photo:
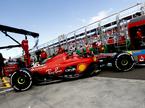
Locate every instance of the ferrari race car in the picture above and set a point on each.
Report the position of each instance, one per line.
(61, 66)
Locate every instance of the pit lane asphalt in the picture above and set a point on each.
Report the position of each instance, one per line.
(107, 90)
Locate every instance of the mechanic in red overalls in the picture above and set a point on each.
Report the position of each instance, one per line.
(110, 44)
(139, 34)
(60, 50)
(25, 47)
(43, 55)
(88, 52)
(1, 64)
(138, 38)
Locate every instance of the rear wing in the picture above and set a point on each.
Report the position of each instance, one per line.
(4, 28)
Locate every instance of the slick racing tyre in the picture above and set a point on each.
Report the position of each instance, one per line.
(123, 62)
(21, 80)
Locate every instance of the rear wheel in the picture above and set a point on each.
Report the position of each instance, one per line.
(21, 80)
(123, 62)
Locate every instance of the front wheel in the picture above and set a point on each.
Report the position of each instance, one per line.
(123, 62)
(21, 80)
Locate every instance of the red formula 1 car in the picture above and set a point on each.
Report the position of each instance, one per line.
(62, 66)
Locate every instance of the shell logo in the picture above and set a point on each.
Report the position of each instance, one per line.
(81, 67)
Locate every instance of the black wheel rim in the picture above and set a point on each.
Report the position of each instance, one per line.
(21, 80)
(124, 62)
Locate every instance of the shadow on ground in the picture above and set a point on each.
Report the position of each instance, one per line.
(138, 72)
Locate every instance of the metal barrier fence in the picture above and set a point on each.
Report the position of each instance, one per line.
(100, 30)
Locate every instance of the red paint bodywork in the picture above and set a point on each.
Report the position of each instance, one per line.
(58, 64)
